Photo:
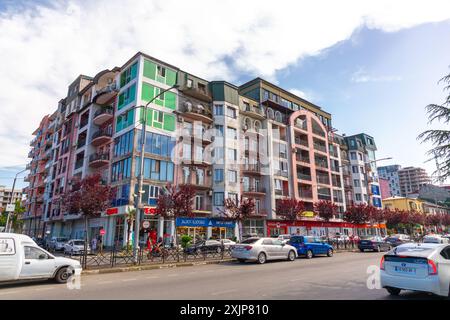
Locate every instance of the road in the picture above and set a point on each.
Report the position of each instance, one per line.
(343, 276)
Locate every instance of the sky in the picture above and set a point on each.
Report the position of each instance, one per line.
(374, 65)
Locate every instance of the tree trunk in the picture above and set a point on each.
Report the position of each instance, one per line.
(85, 241)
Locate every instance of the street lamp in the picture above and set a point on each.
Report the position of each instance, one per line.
(12, 199)
(139, 205)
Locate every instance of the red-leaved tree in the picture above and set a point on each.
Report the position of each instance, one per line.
(176, 201)
(325, 210)
(289, 208)
(88, 197)
(239, 210)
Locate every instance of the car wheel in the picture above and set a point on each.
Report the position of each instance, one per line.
(393, 291)
(62, 275)
(330, 252)
(241, 260)
(291, 255)
(309, 254)
(198, 251)
(362, 250)
(262, 258)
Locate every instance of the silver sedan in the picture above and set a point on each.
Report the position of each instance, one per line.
(263, 249)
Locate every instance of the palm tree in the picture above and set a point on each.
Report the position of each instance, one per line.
(440, 138)
(131, 218)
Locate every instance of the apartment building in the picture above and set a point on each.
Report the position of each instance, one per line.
(7, 197)
(361, 150)
(254, 141)
(411, 179)
(390, 173)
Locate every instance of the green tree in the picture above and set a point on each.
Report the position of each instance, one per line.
(439, 138)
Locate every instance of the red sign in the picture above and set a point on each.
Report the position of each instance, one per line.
(102, 232)
(149, 211)
(112, 211)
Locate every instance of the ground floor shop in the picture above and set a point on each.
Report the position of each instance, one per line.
(205, 228)
(320, 228)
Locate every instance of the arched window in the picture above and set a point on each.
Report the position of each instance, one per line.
(247, 123)
(270, 114)
(278, 116)
(257, 125)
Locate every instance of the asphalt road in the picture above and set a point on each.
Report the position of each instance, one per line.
(343, 276)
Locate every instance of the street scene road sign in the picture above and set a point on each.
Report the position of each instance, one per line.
(10, 207)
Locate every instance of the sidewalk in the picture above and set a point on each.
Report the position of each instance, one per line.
(171, 265)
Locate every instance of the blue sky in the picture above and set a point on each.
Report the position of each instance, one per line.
(372, 64)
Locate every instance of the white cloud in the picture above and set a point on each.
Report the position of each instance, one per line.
(43, 49)
(299, 93)
(362, 76)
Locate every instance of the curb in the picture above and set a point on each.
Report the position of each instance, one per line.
(153, 267)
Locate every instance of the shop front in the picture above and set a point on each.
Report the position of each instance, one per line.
(205, 228)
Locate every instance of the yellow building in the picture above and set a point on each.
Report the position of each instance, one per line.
(403, 203)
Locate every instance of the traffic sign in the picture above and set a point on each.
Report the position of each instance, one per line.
(102, 232)
(10, 207)
(145, 224)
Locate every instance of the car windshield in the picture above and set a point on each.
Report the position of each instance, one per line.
(416, 250)
(61, 239)
(78, 243)
(250, 241)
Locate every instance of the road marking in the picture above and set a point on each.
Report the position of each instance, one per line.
(105, 282)
(222, 292)
(173, 275)
(298, 279)
(134, 279)
(9, 292)
(43, 289)
(152, 277)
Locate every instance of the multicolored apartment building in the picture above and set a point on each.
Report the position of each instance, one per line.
(255, 141)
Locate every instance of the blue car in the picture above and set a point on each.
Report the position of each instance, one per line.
(310, 246)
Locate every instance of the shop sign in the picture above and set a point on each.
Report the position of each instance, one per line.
(112, 211)
(150, 211)
(308, 214)
(203, 222)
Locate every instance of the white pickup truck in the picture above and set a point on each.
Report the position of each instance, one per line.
(21, 259)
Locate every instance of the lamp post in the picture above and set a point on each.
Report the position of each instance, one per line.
(12, 199)
(139, 205)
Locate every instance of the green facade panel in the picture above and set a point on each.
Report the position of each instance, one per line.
(149, 92)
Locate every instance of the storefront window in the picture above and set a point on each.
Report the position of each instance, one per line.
(118, 232)
(253, 227)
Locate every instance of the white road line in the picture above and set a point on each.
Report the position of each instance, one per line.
(222, 292)
(134, 279)
(152, 277)
(8, 292)
(104, 282)
(43, 289)
(298, 279)
(173, 275)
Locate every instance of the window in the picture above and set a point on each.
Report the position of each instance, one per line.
(233, 197)
(231, 112)
(360, 156)
(198, 202)
(202, 87)
(161, 71)
(356, 183)
(219, 128)
(127, 96)
(231, 154)
(34, 253)
(128, 75)
(232, 176)
(158, 116)
(232, 133)
(156, 169)
(218, 110)
(218, 175)
(355, 169)
(189, 83)
(124, 144)
(121, 170)
(358, 196)
(200, 177)
(278, 184)
(353, 155)
(218, 198)
(187, 151)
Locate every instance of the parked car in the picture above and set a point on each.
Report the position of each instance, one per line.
(57, 243)
(341, 237)
(417, 266)
(284, 237)
(227, 243)
(310, 246)
(208, 246)
(75, 246)
(22, 259)
(374, 243)
(435, 238)
(263, 249)
(398, 239)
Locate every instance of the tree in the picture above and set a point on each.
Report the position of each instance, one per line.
(15, 221)
(325, 210)
(88, 197)
(176, 202)
(439, 138)
(289, 208)
(131, 219)
(239, 210)
(356, 214)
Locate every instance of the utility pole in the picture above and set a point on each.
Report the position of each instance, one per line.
(139, 204)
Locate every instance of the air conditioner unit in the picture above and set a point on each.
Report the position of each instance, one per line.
(180, 119)
(210, 193)
(209, 173)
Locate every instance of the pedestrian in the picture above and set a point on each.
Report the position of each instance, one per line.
(94, 245)
(100, 244)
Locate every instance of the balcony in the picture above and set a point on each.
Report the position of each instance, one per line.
(302, 158)
(197, 112)
(321, 164)
(305, 194)
(281, 173)
(104, 95)
(254, 190)
(301, 124)
(253, 111)
(324, 196)
(196, 92)
(251, 168)
(98, 160)
(301, 142)
(323, 179)
(102, 116)
(320, 147)
(101, 137)
(304, 177)
(204, 208)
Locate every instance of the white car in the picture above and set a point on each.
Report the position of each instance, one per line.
(75, 246)
(227, 243)
(22, 259)
(57, 243)
(263, 249)
(435, 239)
(418, 267)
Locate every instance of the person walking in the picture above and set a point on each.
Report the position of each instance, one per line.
(94, 245)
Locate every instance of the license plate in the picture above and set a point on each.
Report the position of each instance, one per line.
(408, 270)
